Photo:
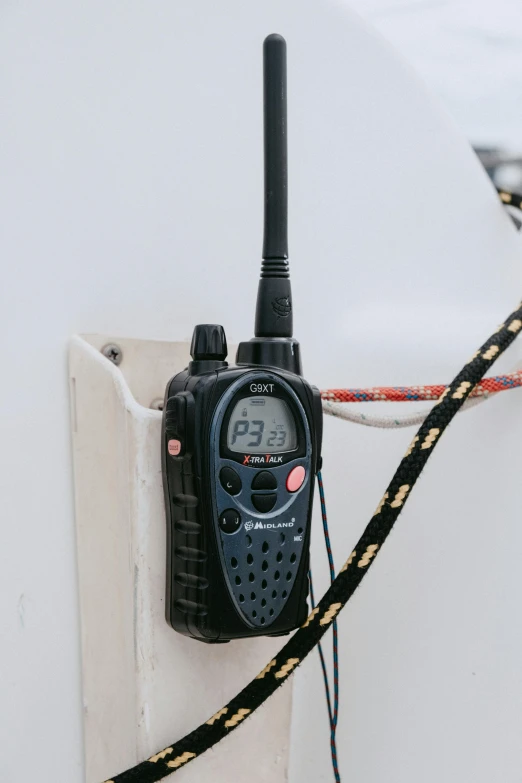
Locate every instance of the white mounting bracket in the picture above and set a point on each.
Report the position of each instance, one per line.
(144, 685)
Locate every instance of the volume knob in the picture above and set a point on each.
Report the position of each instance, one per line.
(208, 342)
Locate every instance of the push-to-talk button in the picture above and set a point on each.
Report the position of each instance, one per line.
(295, 478)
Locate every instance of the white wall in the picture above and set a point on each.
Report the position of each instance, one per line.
(468, 51)
(131, 204)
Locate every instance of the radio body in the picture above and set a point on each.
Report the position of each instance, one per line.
(241, 447)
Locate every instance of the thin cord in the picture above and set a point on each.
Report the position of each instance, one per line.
(332, 714)
(333, 723)
(321, 656)
(332, 579)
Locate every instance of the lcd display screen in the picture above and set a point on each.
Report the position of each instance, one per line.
(261, 425)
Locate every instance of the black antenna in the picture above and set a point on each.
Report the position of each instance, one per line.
(273, 345)
(274, 300)
(275, 242)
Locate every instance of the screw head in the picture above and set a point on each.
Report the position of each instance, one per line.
(113, 353)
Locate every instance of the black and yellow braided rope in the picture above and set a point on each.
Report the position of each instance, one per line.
(510, 199)
(277, 671)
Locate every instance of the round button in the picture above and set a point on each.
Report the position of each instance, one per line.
(264, 503)
(174, 447)
(264, 480)
(295, 478)
(230, 481)
(230, 521)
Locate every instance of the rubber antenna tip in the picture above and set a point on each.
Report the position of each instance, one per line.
(274, 38)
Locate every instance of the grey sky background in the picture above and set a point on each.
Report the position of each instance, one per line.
(469, 52)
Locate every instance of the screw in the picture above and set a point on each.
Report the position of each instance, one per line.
(113, 353)
(157, 404)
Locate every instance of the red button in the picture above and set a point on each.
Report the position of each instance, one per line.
(295, 478)
(174, 447)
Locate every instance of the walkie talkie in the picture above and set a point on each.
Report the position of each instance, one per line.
(241, 444)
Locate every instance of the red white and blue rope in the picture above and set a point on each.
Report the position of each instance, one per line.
(491, 385)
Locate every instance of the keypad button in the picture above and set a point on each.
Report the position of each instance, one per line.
(264, 503)
(230, 481)
(295, 478)
(264, 480)
(229, 521)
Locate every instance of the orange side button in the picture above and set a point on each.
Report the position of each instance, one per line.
(174, 447)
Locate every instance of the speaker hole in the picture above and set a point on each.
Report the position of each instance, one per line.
(238, 580)
(263, 602)
(262, 621)
(276, 575)
(264, 565)
(284, 593)
(252, 596)
(293, 557)
(241, 598)
(254, 613)
(233, 562)
(279, 557)
(250, 558)
(265, 547)
(248, 541)
(251, 577)
(274, 593)
(271, 612)
(288, 576)
(282, 538)
(264, 584)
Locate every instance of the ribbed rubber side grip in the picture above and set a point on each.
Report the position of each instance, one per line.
(189, 553)
(187, 526)
(186, 501)
(190, 580)
(191, 607)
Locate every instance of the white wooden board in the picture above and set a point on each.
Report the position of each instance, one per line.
(144, 685)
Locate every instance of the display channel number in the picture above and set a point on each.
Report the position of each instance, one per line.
(255, 430)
